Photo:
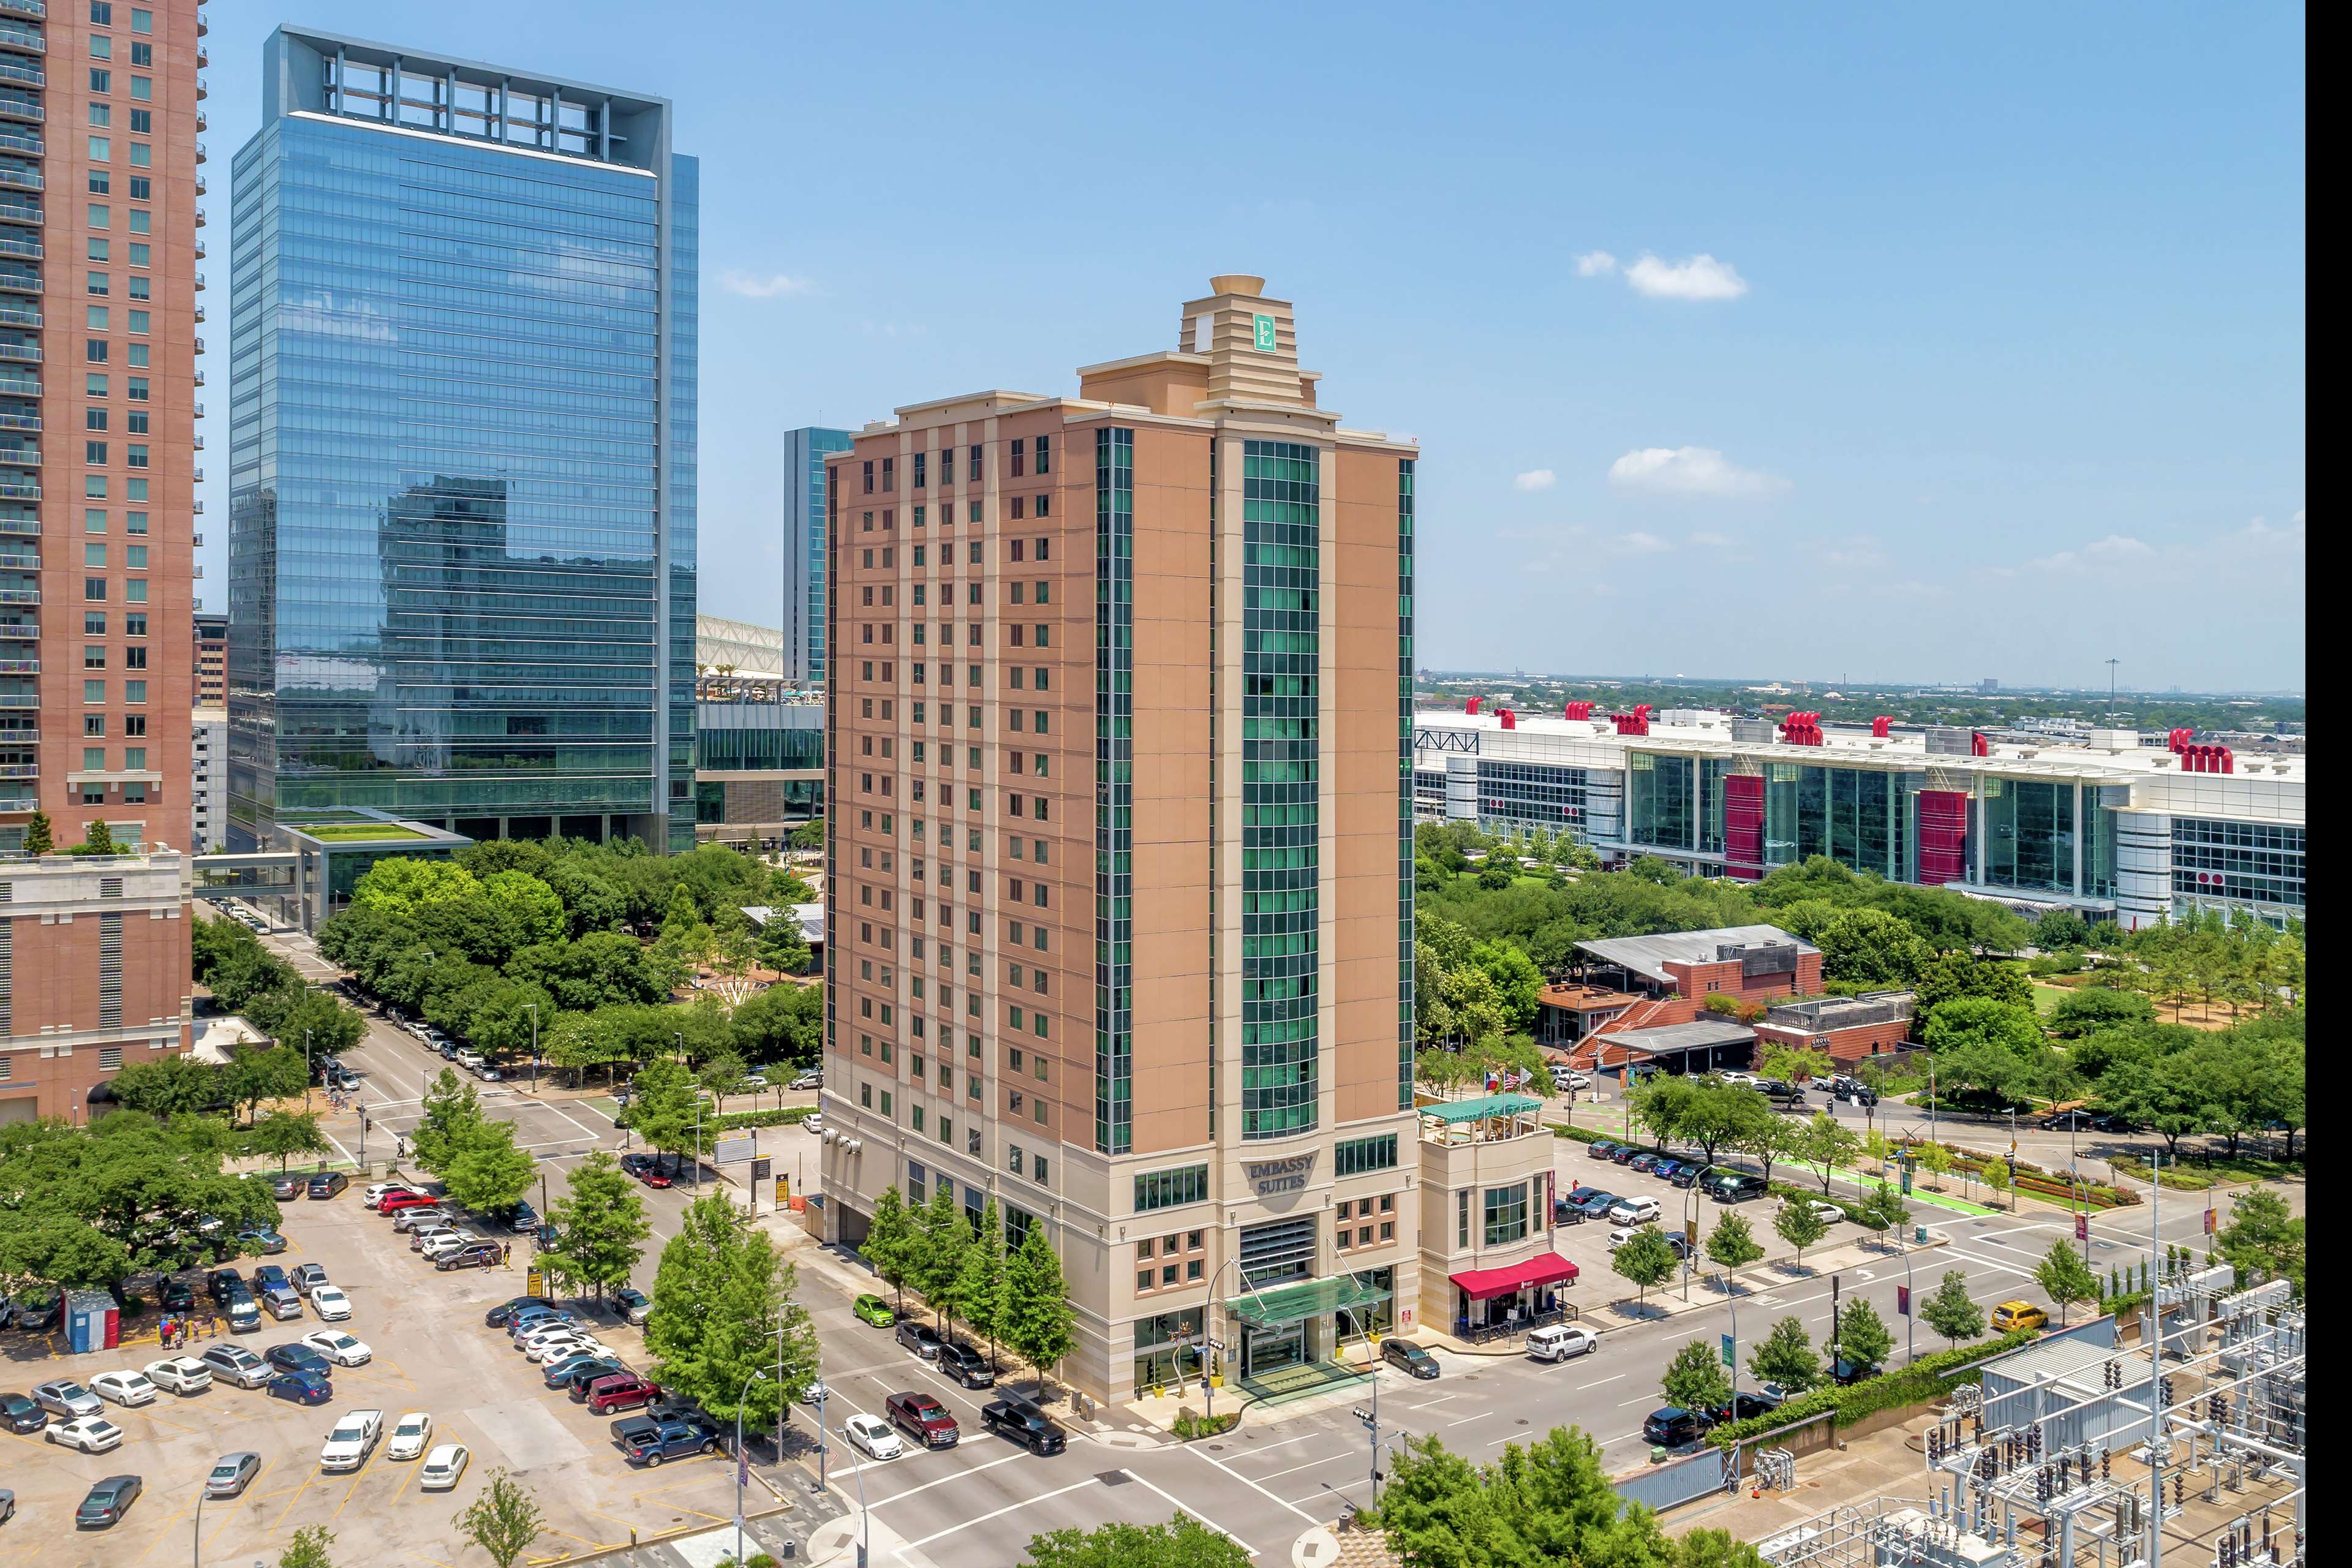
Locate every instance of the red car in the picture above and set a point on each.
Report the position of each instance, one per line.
(393, 1203)
(646, 1168)
(622, 1391)
(923, 1418)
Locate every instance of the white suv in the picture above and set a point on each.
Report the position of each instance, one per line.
(352, 1440)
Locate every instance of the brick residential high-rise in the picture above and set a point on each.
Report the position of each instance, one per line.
(1119, 912)
(100, 324)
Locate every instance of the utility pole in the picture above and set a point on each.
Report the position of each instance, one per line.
(2155, 1361)
(2111, 690)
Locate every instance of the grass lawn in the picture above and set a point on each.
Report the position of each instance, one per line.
(2046, 997)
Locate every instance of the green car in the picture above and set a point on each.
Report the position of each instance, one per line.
(874, 1310)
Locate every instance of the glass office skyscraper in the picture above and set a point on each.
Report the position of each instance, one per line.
(804, 454)
(462, 450)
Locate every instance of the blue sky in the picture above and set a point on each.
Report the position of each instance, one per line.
(1966, 344)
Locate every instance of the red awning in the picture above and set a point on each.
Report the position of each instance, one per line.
(1543, 1268)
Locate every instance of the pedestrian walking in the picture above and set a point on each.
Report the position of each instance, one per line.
(505, 1253)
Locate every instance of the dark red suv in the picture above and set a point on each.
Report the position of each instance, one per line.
(622, 1391)
(923, 1418)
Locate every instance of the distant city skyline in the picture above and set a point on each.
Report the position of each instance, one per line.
(1991, 359)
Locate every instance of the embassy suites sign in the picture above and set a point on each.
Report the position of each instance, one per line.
(1270, 1177)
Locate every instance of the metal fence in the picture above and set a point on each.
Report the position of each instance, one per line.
(1703, 1474)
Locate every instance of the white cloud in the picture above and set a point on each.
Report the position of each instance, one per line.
(2115, 547)
(1854, 552)
(2297, 518)
(1535, 479)
(1688, 472)
(1640, 543)
(768, 285)
(1593, 263)
(1700, 278)
(1713, 541)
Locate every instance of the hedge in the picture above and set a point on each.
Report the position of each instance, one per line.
(1581, 1134)
(2027, 1177)
(1853, 1207)
(736, 1121)
(1925, 1379)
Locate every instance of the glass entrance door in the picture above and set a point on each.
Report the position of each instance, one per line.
(1266, 1349)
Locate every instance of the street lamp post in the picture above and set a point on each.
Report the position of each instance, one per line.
(196, 1542)
(757, 1373)
(306, 1069)
(534, 1046)
(1371, 1419)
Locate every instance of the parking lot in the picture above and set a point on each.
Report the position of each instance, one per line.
(432, 1353)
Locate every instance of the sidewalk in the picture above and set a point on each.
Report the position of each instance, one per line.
(1756, 1283)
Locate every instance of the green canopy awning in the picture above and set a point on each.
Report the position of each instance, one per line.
(1280, 1306)
(1485, 1106)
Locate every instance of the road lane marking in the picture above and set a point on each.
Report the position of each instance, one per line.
(953, 1476)
(1328, 1459)
(1467, 1419)
(1015, 1507)
(1196, 1513)
(1599, 1381)
(1245, 1481)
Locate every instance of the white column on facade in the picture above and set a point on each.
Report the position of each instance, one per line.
(2080, 826)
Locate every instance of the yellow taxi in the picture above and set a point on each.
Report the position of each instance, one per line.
(2011, 1316)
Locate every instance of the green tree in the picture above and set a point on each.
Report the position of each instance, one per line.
(1884, 1207)
(525, 909)
(809, 834)
(2065, 1278)
(1800, 1226)
(782, 1024)
(404, 884)
(1950, 1312)
(1994, 1049)
(1863, 1337)
(1830, 1144)
(1695, 1378)
(82, 1207)
(1935, 1159)
(308, 1547)
(167, 1087)
(1771, 1137)
(1182, 1542)
(2093, 1009)
(40, 837)
(450, 1118)
(576, 1042)
(663, 1109)
(891, 1243)
(1956, 974)
(1795, 1064)
(504, 1519)
(1997, 1177)
(488, 1174)
(286, 1133)
(1705, 1111)
(2061, 928)
(943, 1238)
(1545, 1504)
(722, 1309)
(97, 838)
(252, 1077)
(1038, 1322)
(1644, 1260)
(980, 1294)
(1787, 1358)
(307, 1020)
(600, 1223)
(2262, 1240)
(1732, 1246)
(1871, 950)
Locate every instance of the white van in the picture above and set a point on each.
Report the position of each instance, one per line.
(1559, 1342)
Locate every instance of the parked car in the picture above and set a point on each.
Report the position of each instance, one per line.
(1828, 1214)
(558, 1372)
(271, 1276)
(2007, 1319)
(2081, 1119)
(182, 1374)
(1601, 1149)
(415, 1222)
(235, 1365)
(296, 1356)
(231, 1474)
(1739, 1076)
(62, 1396)
(543, 1352)
(633, 1305)
(242, 1312)
(920, 1338)
(105, 1504)
(622, 1391)
(21, 1412)
(286, 1187)
(646, 1168)
(1599, 1204)
(221, 1283)
(301, 1388)
(499, 1317)
(667, 1438)
(281, 1303)
(1559, 1342)
(1021, 1421)
(874, 1312)
(872, 1434)
(309, 1277)
(1634, 1211)
(332, 1305)
(590, 1372)
(923, 1418)
(812, 1078)
(1643, 1160)
(1408, 1358)
(532, 1320)
(88, 1434)
(410, 1436)
(373, 1196)
(175, 1296)
(1686, 1173)
(340, 1347)
(442, 1467)
(440, 1243)
(326, 1184)
(1846, 1372)
(38, 1309)
(1734, 1187)
(1740, 1406)
(261, 1236)
(967, 1365)
(355, 1436)
(1671, 1426)
(393, 1203)
(471, 1255)
(126, 1388)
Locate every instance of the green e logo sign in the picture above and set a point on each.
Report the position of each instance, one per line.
(1264, 343)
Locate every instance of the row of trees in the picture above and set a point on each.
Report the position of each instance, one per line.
(724, 1331)
(961, 1267)
(246, 978)
(478, 1162)
(87, 1208)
